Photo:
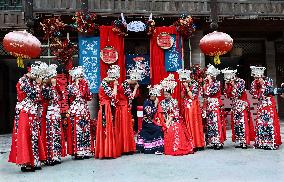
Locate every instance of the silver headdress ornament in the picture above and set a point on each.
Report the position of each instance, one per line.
(212, 71)
(155, 90)
(77, 72)
(257, 71)
(184, 75)
(169, 83)
(137, 73)
(51, 71)
(229, 74)
(39, 69)
(113, 73)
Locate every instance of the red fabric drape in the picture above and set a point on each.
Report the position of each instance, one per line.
(157, 61)
(109, 38)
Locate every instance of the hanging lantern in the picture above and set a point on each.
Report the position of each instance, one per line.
(216, 44)
(109, 55)
(22, 44)
(165, 40)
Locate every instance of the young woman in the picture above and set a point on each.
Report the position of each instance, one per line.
(151, 137)
(242, 124)
(267, 122)
(191, 111)
(27, 148)
(79, 140)
(123, 118)
(178, 140)
(53, 94)
(105, 134)
(212, 110)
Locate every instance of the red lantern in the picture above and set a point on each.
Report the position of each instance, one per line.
(216, 44)
(22, 44)
(109, 55)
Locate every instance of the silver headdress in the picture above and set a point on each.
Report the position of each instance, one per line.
(169, 83)
(212, 71)
(155, 90)
(76, 72)
(257, 71)
(38, 69)
(113, 73)
(229, 74)
(184, 75)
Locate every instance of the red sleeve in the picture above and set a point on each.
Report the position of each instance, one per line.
(228, 90)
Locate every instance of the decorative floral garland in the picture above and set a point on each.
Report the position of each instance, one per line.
(108, 92)
(85, 22)
(52, 28)
(119, 27)
(185, 26)
(64, 50)
(150, 27)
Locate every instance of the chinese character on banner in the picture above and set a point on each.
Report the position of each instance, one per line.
(89, 58)
(173, 56)
(131, 60)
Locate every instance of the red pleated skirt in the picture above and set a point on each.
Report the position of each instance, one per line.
(105, 136)
(194, 125)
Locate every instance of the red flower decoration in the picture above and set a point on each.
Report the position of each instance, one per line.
(85, 22)
(52, 27)
(64, 51)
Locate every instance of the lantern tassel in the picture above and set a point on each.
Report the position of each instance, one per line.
(217, 60)
(20, 62)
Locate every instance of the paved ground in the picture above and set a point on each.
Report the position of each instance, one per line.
(230, 164)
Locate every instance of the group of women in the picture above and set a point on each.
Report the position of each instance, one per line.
(171, 126)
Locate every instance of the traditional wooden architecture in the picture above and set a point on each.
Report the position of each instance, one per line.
(255, 25)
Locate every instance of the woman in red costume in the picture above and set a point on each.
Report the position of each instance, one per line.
(242, 124)
(27, 148)
(54, 133)
(105, 136)
(190, 108)
(212, 110)
(79, 136)
(267, 127)
(123, 118)
(178, 140)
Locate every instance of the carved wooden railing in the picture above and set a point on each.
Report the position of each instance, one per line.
(263, 8)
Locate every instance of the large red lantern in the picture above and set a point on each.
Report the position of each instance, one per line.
(22, 44)
(216, 44)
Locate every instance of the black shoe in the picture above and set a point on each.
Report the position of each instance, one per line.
(86, 157)
(238, 147)
(79, 158)
(200, 148)
(57, 162)
(27, 169)
(37, 168)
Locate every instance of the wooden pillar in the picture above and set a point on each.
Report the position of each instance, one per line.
(214, 14)
(270, 62)
(84, 5)
(28, 13)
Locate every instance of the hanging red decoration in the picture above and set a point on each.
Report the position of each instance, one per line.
(216, 44)
(165, 40)
(22, 44)
(150, 27)
(185, 26)
(109, 55)
(64, 51)
(119, 27)
(52, 27)
(85, 22)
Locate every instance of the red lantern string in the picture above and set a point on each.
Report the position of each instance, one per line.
(85, 22)
(185, 26)
(119, 27)
(150, 27)
(52, 28)
(64, 50)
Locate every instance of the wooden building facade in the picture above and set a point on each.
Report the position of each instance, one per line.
(257, 27)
